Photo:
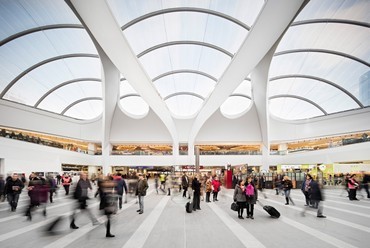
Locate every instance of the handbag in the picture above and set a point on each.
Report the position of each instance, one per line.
(234, 206)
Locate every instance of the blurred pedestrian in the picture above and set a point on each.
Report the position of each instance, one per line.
(81, 195)
(287, 186)
(141, 189)
(13, 188)
(108, 199)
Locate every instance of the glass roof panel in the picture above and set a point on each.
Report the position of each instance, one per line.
(126, 88)
(185, 26)
(184, 82)
(337, 69)
(245, 88)
(327, 96)
(20, 15)
(58, 100)
(134, 106)
(293, 109)
(125, 11)
(341, 58)
(235, 106)
(184, 106)
(181, 57)
(343, 38)
(356, 10)
(86, 110)
(37, 82)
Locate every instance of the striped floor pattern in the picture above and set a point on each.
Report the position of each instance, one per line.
(166, 224)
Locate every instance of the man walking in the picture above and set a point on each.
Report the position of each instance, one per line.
(142, 186)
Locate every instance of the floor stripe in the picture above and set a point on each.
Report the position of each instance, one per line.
(247, 239)
(138, 239)
(73, 236)
(317, 234)
(23, 214)
(339, 209)
(340, 221)
(66, 240)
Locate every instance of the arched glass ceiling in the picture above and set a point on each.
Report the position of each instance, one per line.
(324, 58)
(131, 102)
(239, 102)
(43, 45)
(195, 39)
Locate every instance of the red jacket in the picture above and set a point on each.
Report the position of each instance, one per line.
(216, 185)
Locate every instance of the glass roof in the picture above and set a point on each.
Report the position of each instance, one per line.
(47, 59)
(318, 65)
(190, 42)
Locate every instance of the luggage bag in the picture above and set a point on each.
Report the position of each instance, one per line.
(270, 210)
(189, 207)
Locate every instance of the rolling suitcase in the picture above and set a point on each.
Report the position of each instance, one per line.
(189, 207)
(270, 210)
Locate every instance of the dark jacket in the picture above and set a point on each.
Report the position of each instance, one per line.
(195, 185)
(315, 192)
(121, 184)
(82, 189)
(185, 181)
(287, 184)
(11, 185)
(142, 186)
(239, 194)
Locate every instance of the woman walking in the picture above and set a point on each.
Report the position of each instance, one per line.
(287, 186)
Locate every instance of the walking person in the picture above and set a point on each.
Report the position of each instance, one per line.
(195, 185)
(208, 189)
(66, 182)
(365, 183)
(120, 187)
(156, 184)
(38, 192)
(2, 188)
(141, 189)
(184, 184)
(316, 198)
(251, 197)
(81, 195)
(240, 198)
(306, 189)
(353, 186)
(287, 186)
(13, 188)
(216, 185)
(108, 198)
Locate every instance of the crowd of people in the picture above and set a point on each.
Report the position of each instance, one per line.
(113, 190)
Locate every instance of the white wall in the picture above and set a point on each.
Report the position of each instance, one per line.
(219, 129)
(341, 123)
(23, 117)
(27, 157)
(150, 129)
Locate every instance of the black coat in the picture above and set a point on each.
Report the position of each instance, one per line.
(10, 184)
(195, 185)
(315, 191)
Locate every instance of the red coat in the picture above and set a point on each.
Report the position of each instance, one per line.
(216, 185)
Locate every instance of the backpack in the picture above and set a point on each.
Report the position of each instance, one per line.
(249, 191)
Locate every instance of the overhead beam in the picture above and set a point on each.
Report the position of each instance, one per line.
(101, 23)
(274, 18)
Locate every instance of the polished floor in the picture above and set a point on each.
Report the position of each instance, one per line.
(166, 224)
